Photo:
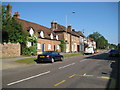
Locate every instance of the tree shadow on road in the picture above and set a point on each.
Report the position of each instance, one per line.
(114, 81)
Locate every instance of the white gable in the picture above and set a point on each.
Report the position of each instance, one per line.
(31, 31)
(42, 34)
(51, 36)
(57, 37)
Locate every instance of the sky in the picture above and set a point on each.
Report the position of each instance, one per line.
(89, 17)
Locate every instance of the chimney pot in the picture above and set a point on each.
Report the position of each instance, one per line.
(16, 15)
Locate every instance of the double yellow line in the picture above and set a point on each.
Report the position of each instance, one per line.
(60, 83)
(64, 80)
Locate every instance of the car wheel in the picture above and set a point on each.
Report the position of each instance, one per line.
(52, 61)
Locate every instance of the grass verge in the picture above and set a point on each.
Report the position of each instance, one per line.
(26, 60)
(31, 60)
(72, 54)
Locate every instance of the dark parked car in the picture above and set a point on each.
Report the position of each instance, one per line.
(49, 56)
(114, 53)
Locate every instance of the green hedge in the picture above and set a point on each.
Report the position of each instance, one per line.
(29, 51)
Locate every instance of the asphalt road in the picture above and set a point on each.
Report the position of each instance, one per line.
(89, 71)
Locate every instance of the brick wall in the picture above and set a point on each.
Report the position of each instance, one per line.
(53, 44)
(10, 50)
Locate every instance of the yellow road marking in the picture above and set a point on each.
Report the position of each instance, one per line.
(60, 83)
(72, 76)
(103, 77)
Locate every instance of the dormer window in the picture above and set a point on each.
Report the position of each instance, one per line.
(31, 32)
(42, 34)
(51, 36)
(57, 37)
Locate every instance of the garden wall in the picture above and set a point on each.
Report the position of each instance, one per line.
(10, 50)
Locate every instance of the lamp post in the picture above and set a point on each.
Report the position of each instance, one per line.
(66, 39)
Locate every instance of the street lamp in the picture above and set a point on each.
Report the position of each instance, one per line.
(66, 39)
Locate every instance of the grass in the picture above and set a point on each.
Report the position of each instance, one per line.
(26, 60)
(31, 60)
(112, 83)
(72, 54)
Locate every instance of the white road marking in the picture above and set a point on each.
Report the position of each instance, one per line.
(83, 60)
(66, 66)
(28, 78)
(84, 74)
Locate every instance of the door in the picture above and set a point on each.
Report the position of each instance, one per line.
(43, 46)
(54, 47)
(78, 48)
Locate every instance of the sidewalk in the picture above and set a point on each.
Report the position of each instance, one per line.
(9, 62)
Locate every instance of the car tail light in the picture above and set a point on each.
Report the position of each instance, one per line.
(48, 56)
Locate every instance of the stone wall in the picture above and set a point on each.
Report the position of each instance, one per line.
(10, 50)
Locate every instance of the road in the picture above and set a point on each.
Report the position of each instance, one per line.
(88, 71)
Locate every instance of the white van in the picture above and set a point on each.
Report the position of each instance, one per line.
(89, 50)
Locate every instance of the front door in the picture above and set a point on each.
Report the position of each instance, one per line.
(43, 46)
(78, 48)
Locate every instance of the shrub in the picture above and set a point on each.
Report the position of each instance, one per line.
(29, 51)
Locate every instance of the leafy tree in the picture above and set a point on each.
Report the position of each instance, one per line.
(95, 35)
(12, 30)
(101, 42)
(111, 46)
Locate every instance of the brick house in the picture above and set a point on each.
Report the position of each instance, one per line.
(47, 39)
(69, 36)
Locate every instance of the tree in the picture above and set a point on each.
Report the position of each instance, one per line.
(101, 42)
(12, 30)
(95, 35)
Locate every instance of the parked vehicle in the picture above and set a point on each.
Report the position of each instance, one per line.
(49, 56)
(96, 51)
(114, 53)
(89, 50)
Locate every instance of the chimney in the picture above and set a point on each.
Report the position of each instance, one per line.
(70, 28)
(53, 25)
(16, 15)
(9, 10)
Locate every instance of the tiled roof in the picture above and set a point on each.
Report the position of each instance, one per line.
(61, 28)
(80, 33)
(36, 27)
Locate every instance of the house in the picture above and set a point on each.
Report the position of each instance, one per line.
(47, 40)
(68, 34)
(81, 40)
(91, 42)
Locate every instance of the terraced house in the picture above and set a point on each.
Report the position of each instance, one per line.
(46, 38)
(69, 35)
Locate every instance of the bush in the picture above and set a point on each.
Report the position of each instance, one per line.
(29, 51)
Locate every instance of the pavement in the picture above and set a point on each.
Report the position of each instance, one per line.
(8, 63)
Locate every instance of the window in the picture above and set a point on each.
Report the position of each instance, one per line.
(31, 32)
(42, 34)
(58, 47)
(29, 44)
(51, 36)
(38, 46)
(49, 46)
